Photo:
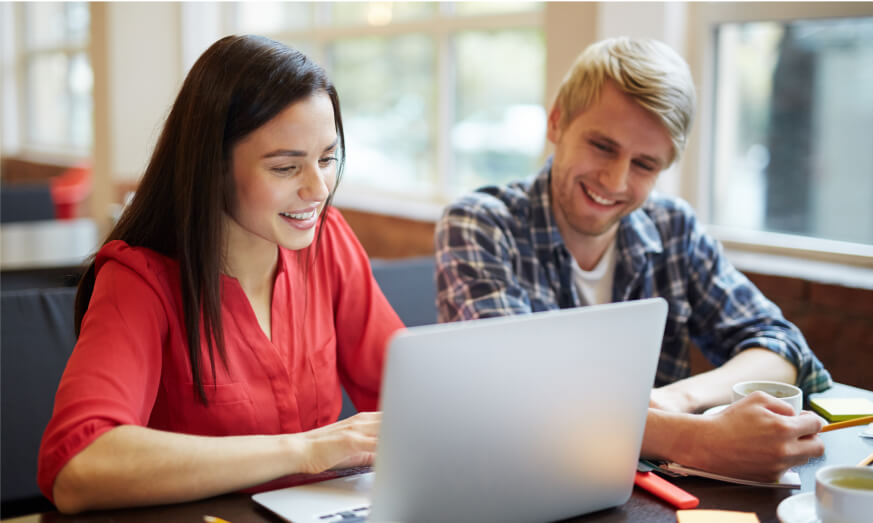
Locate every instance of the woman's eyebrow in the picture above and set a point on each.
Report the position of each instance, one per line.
(285, 152)
(332, 145)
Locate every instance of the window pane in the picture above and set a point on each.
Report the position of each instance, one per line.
(794, 117)
(81, 83)
(500, 124)
(491, 8)
(49, 111)
(379, 13)
(56, 24)
(386, 89)
(272, 17)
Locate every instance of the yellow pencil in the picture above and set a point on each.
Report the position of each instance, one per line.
(214, 519)
(866, 461)
(850, 423)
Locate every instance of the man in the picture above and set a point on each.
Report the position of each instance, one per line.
(588, 229)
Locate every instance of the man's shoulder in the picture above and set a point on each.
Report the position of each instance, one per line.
(669, 213)
(493, 202)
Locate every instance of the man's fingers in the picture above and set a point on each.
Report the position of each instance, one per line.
(808, 423)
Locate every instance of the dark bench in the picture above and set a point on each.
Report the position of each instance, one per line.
(37, 339)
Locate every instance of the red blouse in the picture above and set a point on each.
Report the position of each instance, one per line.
(130, 365)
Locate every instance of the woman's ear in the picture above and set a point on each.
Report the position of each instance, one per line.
(553, 132)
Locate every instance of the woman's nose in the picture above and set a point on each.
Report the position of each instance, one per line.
(314, 185)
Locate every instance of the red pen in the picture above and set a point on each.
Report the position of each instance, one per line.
(665, 490)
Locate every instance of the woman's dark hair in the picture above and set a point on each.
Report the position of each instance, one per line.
(236, 86)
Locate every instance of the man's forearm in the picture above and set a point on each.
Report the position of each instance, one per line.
(714, 387)
(758, 437)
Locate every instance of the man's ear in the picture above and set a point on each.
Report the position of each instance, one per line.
(553, 131)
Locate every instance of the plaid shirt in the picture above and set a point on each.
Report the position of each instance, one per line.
(499, 252)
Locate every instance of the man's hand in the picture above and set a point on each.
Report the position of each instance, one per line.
(758, 438)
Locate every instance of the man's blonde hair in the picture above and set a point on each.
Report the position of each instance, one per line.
(649, 71)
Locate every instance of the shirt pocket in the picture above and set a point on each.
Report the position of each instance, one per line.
(229, 410)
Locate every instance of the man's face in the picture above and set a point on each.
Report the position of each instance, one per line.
(605, 164)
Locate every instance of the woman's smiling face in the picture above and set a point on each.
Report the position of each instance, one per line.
(284, 172)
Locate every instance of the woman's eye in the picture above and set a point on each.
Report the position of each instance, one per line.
(287, 170)
(327, 160)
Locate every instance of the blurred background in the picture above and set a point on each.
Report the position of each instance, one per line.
(442, 97)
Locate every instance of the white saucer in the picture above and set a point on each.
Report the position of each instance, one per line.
(799, 508)
(715, 410)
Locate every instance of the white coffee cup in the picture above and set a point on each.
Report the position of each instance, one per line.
(785, 392)
(844, 494)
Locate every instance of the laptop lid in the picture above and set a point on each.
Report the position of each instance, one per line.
(525, 418)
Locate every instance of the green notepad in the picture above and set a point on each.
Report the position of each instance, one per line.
(842, 409)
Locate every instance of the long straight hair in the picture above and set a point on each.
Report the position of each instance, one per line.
(239, 84)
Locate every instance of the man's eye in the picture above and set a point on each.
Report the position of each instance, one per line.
(602, 146)
(645, 166)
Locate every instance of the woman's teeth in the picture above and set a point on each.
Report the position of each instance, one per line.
(299, 215)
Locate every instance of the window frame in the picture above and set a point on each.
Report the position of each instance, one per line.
(697, 172)
(21, 56)
(441, 27)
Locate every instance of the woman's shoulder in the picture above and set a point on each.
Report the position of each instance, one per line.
(148, 264)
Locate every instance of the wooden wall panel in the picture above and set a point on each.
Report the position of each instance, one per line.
(390, 236)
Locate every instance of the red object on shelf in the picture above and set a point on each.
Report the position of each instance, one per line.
(69, 189)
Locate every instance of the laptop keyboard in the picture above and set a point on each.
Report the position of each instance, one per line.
(356, 515)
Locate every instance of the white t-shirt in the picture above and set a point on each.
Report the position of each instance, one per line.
(595, 286)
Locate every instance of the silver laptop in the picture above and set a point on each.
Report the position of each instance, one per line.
(525, 418)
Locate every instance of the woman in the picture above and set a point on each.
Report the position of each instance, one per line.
(230, 301)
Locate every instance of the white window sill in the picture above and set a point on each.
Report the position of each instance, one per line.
(822, 261)
(350, 197)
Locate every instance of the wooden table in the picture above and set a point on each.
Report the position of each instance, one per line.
(843, 447)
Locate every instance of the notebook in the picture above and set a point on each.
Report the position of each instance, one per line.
(527, 418)
(842, 409)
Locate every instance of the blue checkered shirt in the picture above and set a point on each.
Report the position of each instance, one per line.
(499, 252)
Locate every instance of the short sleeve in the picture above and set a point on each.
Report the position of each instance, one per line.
(113, 374)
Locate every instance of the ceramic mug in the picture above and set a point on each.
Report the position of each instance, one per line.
(785, 392)
(844, 494)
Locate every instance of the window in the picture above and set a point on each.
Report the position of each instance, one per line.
(437, 98)
(793, 120)
(54, 75)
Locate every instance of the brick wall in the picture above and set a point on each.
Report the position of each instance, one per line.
(837, 322)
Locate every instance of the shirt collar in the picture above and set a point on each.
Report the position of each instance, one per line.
(547, 237)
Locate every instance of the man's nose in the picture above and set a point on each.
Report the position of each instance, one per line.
(614, 176)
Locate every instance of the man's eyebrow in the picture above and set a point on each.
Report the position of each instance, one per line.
(602, 137)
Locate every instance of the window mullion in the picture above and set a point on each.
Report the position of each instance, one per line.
(445, 107)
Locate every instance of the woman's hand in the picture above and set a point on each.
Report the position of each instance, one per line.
(347, 443)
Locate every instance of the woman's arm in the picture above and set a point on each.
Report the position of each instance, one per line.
(132, 465)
